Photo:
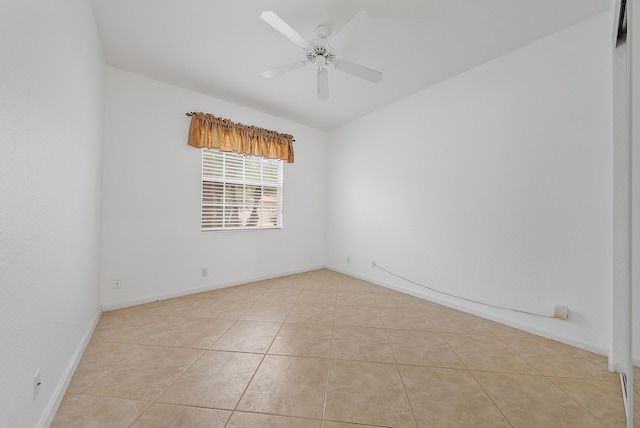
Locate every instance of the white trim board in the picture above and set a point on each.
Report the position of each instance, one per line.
(451, 303)
(163, 296)
(56, 398)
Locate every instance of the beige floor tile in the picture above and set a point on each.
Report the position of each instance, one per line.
(170, 416)
(375, 288)
(216, 380)
(146, 375)
(197, 333)
(321, 285)
(286, 282)
(154, 308)
(449, 398)
(279, 297)
(216, 294)
(357, 286)
(245, 293)
(317, 296)
(422, 348)
(502, 330)
(111, 321)
(146, 330)
(131, 310)
(288, 287)
(395, 300)
(309, 313)
(355, 298)
(357, 316)
(488, 353)
(159, 350)
(601, 398)
(406, 319)
(227, 309)
(361, 344)
(304, 340)
(559, 360)
(267, 312)
(328, 424)
(247, 336)
(98, 360)
(86, 411)
(259, 420)
(326, 274)
(367, 393)
(289, 386)
(533, 401)
(452, 321)
(429, 306)
(184, 307)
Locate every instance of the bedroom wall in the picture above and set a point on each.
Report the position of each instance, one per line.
(151, 232)
(494, 185)
(635, 132)
(51, 105)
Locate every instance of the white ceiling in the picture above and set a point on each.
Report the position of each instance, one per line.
(220, 47)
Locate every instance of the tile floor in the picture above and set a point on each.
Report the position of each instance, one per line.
(324, 350)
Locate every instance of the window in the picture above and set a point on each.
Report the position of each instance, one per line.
(240, 191)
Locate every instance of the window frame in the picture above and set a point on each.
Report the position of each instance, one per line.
(227, 178)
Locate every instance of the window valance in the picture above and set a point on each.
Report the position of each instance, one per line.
(207, 130)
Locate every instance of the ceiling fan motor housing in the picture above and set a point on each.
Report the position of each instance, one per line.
(321, 50)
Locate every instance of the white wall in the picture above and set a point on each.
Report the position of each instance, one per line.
(634, 17)
(494, 185)
(51, 100)
(151, 207)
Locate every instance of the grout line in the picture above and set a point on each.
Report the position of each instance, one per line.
(259, 365)
(490, 397)
(251, 293)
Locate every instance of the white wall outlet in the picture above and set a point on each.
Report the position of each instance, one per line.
(117, 284)
(204, 272)
(37, 382)
(348, 259)
(561, 312)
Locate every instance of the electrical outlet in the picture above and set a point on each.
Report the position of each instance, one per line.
(37, 382)
(117, 284)
(561, 312)
(348, 259)
(204, 272)
(373, 264)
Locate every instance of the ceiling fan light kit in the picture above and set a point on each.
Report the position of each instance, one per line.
(320, 53)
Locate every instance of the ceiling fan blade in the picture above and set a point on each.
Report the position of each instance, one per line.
(285, 29)
(354, 27)
(360, 71)
(322, 77)
(284, 69)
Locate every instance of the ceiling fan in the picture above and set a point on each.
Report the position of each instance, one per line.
(320, 53)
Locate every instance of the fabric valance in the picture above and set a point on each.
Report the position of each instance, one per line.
(207, 130)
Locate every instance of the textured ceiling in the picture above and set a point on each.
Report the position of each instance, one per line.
(220, 47)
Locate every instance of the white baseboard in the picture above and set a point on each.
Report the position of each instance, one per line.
(481, 313)
(52, 406)
(163, 296)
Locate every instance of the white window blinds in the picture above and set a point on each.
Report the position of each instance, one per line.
(240, 191)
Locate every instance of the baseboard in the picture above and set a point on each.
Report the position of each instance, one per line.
(58, 394)
(163, 296)
(483, 314)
